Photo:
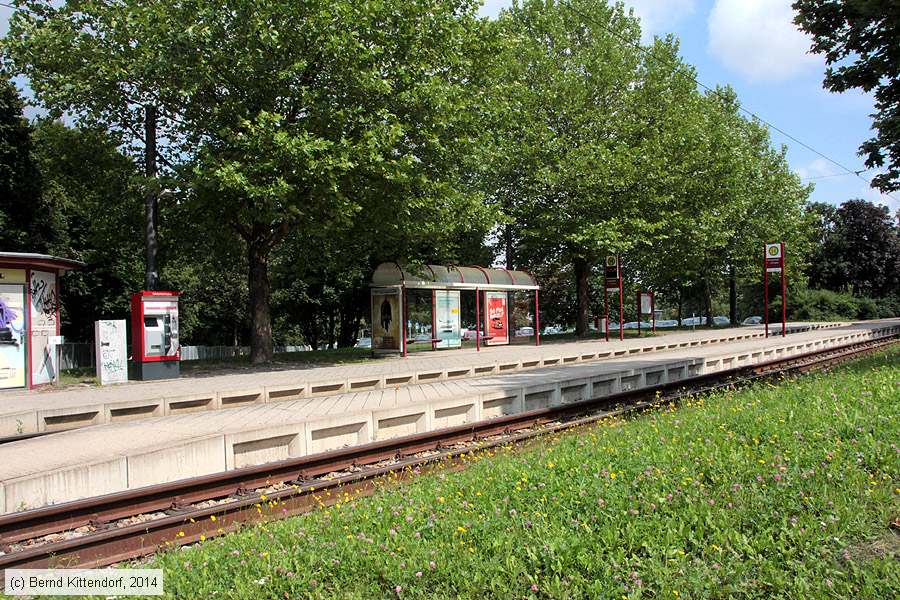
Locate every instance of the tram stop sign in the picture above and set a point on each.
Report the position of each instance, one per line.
(611, 274)
(774, 258)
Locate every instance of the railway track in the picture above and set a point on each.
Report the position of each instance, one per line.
(116, 527)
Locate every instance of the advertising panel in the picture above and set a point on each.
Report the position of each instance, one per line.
(495, 317)
(12, 336)
(44, 310)
(447, 317)
(386, 320)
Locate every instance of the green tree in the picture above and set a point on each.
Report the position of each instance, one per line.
(27, 221)
(277, 117)
(861, 43)
(860, 251)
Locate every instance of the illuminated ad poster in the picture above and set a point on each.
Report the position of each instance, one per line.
(12, 336)
(44, 309)
(447, 317)
(386, 320)
(495, 314)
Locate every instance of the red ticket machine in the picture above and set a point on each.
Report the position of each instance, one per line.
(155, 350)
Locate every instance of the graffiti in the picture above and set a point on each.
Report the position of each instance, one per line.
(43, 297)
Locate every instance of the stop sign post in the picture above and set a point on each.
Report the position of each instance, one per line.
(773, 262)
(612, 282)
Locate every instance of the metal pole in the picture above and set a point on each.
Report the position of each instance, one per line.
(403, 316)
(639, 312)
(621, 312)
(606, 308)
(766, 294)
(653, 309)
(151, 201)
(433, 319)
(537, 318)
(477, 320)
(783, 295)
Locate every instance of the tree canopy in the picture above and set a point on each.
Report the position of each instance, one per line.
(860, 40)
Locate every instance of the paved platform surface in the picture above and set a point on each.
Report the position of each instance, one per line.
(116, 456)
(48, 410)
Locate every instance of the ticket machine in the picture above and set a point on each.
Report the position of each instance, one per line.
(155, 350)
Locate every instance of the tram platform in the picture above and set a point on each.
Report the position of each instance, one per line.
(80, 406)
(129, 454)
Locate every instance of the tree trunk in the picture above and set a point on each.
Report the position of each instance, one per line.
(680, 305)
(261, 350)
(582, 271)
(732, 296)
(151, 201)
(707, 302)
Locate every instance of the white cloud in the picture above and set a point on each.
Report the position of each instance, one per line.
(659, 17)
(758, 39)
(819, 168)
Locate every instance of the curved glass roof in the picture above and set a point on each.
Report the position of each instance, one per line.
(392, 274)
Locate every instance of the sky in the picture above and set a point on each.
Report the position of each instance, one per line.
(753, 46)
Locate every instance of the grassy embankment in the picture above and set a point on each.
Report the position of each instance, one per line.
(785, 491)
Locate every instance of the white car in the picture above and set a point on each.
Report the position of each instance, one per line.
(363, 343)
(667, 323)
(752, 321)
(552, 330)
(721, 321)
(525, 332)
(693, 321)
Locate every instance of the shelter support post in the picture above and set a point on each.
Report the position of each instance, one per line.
(477, 320)
(403, 314)
(537, 318)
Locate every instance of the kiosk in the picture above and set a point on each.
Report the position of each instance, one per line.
(155, 351)
(29, 318)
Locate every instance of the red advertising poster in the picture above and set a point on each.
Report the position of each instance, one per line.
(495, 315)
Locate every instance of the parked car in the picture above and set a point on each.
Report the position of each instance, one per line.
(423, 337)
(525, 332)
(469, 334)
(667, 323)
(693, 321)
(721, 321)
(752, 321)
(552, 330)
(363, 343)
(613, 326)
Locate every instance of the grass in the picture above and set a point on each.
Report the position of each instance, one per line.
(774, 491)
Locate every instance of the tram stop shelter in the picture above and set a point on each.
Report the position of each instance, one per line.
(29, 318)
(391, 284)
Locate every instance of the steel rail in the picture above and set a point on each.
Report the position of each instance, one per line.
(186, 525)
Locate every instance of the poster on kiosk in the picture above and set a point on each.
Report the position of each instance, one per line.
(495, 315)
(155, 347)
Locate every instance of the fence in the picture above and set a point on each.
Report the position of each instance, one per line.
(74, 355)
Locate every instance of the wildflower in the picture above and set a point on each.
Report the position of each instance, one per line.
(432, 565)
(212, 517)
(418, 573)
(534, 587)
(398, 589)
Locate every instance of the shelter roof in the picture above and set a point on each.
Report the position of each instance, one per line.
(439, 277)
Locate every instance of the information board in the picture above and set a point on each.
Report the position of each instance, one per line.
(111, 351)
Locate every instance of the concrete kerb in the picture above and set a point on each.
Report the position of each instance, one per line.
(54, 419)
(400, 421)
(284, 392)
(267, 444)
(337, 432)
(240, 397)
(18, 423)
(80, 481)
(176, 405)
(199, 456)
(454, 411)
(132, 410)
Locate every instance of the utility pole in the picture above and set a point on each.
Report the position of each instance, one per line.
(151, 200)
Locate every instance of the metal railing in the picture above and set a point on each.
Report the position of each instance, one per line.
(81, 355)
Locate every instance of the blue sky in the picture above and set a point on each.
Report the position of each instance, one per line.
(753, 46)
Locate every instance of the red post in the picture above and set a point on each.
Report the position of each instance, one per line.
(606, 309)
(403, 315)
(537, 318)
(765, 293)
(783, 296)
(477, 320)
(621, 313)
(639, 312)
